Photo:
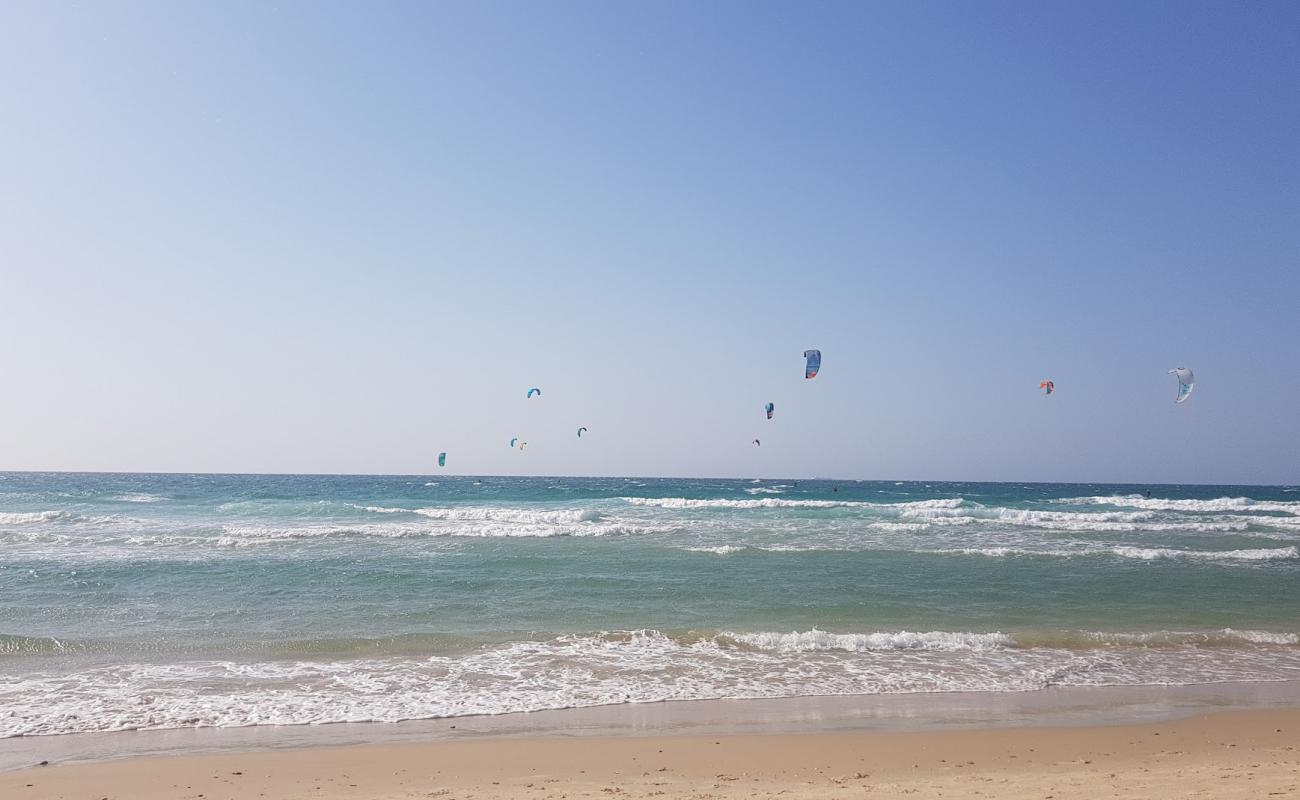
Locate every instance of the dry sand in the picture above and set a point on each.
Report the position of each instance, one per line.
(1250, 754)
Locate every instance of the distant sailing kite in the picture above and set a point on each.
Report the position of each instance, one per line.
(814, 363)
(1186, 382)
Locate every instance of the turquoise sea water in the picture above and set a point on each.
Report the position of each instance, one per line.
(143, 601)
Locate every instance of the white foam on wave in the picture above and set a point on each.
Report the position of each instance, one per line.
(1154, 553)
(814, 640)
(779, 502)
(1001, 552)
(595, 669)
(957, 512)
(137, 498)
(1146, 520)
(382, 509)
(1264, 637)
(29, 517)
(765, 490)
(721, 550)
(1163, 504)
(686, 502)
(1125, 551)
(494, 514)
(245, 535)
(1222, 637)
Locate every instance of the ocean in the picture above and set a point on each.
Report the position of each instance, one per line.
(172, 601)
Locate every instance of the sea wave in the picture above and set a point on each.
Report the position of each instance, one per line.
(1225, 637)
(258, 534)
(1163, 504)
(959, 512)
(1125, 551)
(29, 517)
(974, 514)
(1153, 553)
(494, 514)
(779, 502)
(722, 550)
(806, 641)
(615, 667)
(136, 498)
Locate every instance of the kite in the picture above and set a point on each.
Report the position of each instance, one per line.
(442, 459)
(1186, 382)
(1047, 386)
(814, 363)
(581, 431)
(769, 408)
(534, 391)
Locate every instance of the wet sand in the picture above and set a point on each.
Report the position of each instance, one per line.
(1237, 754)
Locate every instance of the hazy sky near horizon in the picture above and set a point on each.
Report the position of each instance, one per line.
(341, 237)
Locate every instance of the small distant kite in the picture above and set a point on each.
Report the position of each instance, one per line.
(522, 445)
(581, 431)
(1048, 387)
(1186, 382)
(757, 442)
(769, 408)
(814, 363)
(534, 391)
(442, 459)
(514, 442)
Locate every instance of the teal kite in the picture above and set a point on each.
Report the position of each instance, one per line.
(534, 391)
(442, 459)
(1186, 382)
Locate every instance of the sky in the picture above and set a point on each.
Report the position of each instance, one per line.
(343, 237)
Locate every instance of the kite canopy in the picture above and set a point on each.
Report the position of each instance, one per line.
(581, 431)
(814, 363)
(534, 391)
(769, 408)
(514, 441)
(522, 445)
(442, 459)
(757, 442)
(1047, 386)
(1186, 382)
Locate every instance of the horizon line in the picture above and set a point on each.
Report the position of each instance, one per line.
(617, 477)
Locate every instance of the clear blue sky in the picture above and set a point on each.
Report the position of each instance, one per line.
(342, 237)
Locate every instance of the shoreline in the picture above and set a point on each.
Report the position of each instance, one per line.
(1229, 754)
(1059, 707)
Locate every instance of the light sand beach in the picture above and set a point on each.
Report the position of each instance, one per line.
(1245, 754)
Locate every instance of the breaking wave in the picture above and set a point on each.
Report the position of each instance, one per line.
(1142, 553)
(1163, 504)
(582, 670)
(494, 514)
